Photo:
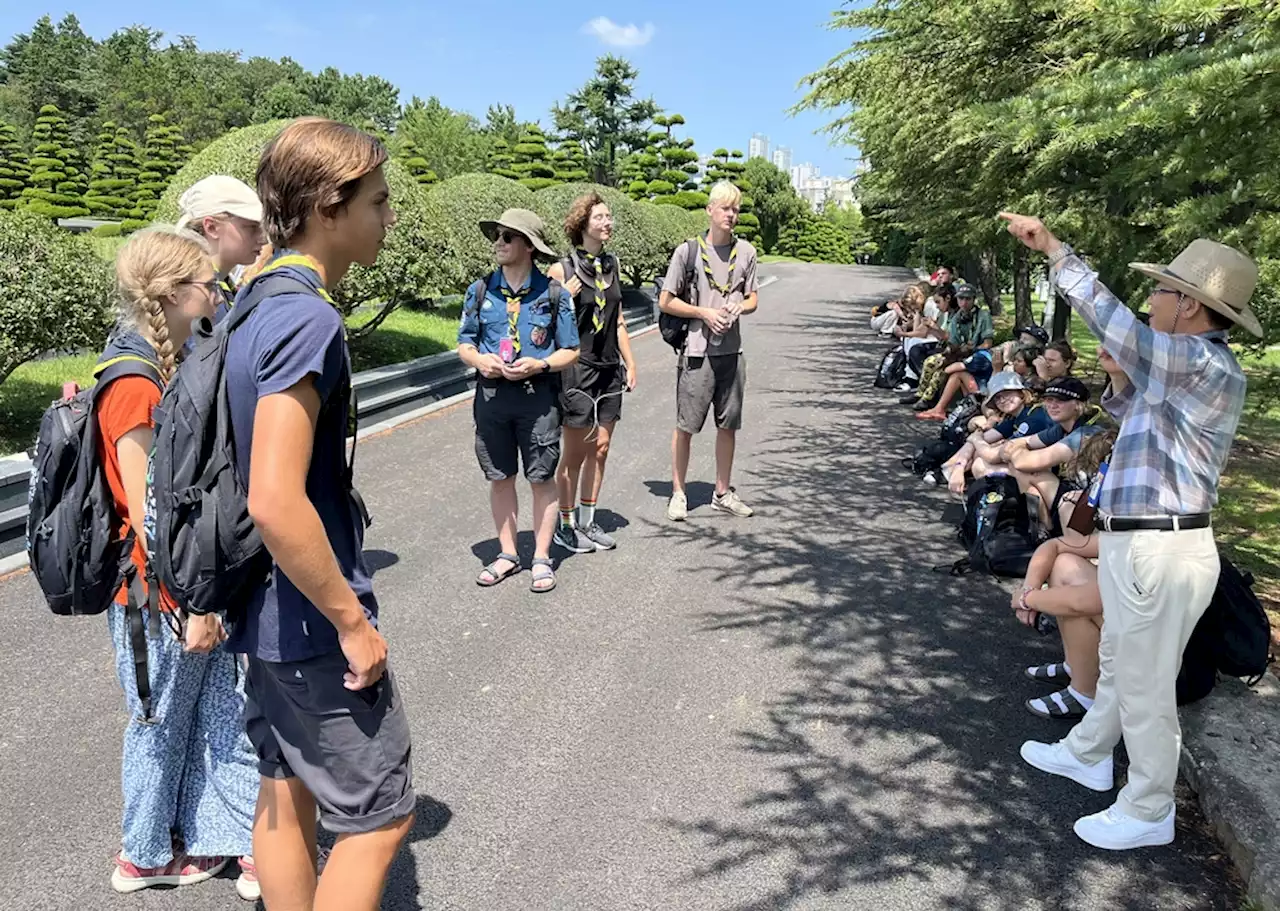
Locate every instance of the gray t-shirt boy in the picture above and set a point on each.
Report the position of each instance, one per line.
(744, 284)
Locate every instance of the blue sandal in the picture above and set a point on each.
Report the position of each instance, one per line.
(493, 576)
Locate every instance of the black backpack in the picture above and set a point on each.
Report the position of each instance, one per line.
(892, 370)
(675, 329)
(1243, 631)
(996, 529)
(955, 428)
(930, 457)
(72, 547)
(205, 549)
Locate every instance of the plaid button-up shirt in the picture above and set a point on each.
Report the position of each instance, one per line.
(1178, 415)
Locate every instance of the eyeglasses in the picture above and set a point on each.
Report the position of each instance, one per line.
(211, 285)
(507, 237)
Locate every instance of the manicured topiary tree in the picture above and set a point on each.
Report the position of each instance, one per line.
(415, 262)
(570, 161)
(415, 164)
(501, 161)
(56, 185)
(464, 201)
(816, 240)
(532, 161)
(57, 293)
(13, 166)
(162, 157)
(113, 174)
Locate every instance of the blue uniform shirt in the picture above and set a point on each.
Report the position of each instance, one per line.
(543, 325)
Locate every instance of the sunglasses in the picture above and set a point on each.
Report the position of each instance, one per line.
(508, 237)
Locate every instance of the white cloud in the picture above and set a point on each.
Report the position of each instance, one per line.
(610, 32)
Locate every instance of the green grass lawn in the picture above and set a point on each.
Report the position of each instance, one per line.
(27, 392)
(1247, 520)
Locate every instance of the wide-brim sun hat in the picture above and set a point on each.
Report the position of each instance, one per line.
(1004, 381)
(1220, 277)
(525, 222)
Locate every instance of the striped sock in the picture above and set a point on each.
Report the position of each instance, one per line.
(587, 512)
(566, 518)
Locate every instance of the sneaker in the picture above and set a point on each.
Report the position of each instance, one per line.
(909, 399)
(930, 478)
(678, 507)
(597, 536)
(573, 540)
(1116, 831)
(181, 871)
(247, 884)
(902, 387)
(732, 504)
(1056, 759)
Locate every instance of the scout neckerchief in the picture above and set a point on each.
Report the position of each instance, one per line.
(514, 299)
(227, 288)
(727, 288)
(597, 318)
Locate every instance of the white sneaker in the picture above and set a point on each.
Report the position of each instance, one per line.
(1056, 759)
(678, 507)
(1116, 831)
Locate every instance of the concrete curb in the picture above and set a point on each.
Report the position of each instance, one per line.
(1231, 759)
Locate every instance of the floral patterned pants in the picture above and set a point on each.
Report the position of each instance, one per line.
(191, 773)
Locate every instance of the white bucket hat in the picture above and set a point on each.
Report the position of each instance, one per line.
(1004, 381)
(1220, 277)
(218, 194)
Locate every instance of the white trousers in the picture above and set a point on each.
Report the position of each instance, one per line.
(1154, 585)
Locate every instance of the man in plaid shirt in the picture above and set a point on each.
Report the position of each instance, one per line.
(1157, 561)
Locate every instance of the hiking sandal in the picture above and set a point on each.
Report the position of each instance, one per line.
(547, 575)
(1048, 673)
(489, 576)
(1063, 704)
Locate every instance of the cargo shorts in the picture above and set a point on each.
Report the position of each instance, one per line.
(518, 422)
(701, 382)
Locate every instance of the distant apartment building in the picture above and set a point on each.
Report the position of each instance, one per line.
(758, 147)
(782, 159)
(820, 192)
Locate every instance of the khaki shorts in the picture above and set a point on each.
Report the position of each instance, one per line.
(701, 382)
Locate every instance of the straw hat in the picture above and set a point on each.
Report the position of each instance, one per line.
(526, 223)
(1220, 277)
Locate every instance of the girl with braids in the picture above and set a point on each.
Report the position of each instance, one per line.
(189, 775)
(591, 390)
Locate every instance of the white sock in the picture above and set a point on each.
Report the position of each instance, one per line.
(1086, 701)
(586, 514)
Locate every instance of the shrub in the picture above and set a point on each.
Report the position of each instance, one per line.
(637, 232)
(54, 292)
(462, 203)
(414, 260)
(815, 240)
(107, 231)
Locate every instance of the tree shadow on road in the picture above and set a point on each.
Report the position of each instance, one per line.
(894, 762)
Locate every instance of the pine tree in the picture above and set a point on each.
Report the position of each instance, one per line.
(500, 161)
(665, 170)
(112, 174)
(161, 159)
(13, 166)
(570, 161)
(55, 185)
(416, 165)
(532, 161)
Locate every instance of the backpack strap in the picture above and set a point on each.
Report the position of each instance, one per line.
(481, 288)
(267, 284)
(125, 365)
(691, 270)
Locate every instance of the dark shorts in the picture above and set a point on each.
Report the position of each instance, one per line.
(349, 749)
(518, 422)
(592, 395)
(705, 381)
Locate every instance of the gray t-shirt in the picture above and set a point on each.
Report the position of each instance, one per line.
(744, 284)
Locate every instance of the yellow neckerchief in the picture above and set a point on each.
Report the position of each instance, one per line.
(727, 288)
(299, 260)
(597, 263)
(515, 299)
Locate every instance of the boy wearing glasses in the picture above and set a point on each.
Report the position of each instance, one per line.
(517, 333)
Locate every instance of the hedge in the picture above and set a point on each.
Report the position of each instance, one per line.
(461, 203)
(413, 261)
(54, 292)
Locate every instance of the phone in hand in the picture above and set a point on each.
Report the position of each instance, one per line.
(506, 351)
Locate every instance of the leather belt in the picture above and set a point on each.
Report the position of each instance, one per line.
(1152, 523)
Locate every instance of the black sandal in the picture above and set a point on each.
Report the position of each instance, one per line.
(1049, 673)
(543, 563)
(494, 576)
(1048, 707)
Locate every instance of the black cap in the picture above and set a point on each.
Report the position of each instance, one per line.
(1068, 389)
(966, 291)
(1035, 332)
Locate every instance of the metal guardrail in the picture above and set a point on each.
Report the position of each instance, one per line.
(383, 393)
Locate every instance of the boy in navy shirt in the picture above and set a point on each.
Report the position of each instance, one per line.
(323, 711)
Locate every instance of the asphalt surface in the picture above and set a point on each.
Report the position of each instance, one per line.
(785, 712)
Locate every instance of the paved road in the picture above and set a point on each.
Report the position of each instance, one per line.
(788, 712)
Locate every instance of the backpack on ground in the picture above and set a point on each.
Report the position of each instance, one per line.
(892, 370)
(930, 457)
(996, 529)
(72, 547)
(1242, 629)
(205, 549)
(955, 428)
(675, 329)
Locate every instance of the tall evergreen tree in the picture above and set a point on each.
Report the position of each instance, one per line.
(606, 117)
(13, 166)
(161, 159)
(532, 161)
(500, 160)
(56, 185)
(570, 162)
(412, 159)
(113, 173)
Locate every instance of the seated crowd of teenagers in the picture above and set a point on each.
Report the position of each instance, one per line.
(281, 702)
(1105, 527)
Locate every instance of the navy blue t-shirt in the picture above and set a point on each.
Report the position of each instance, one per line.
(285, 339)
(1030, 420)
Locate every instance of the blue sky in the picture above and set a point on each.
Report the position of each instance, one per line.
(730, 68)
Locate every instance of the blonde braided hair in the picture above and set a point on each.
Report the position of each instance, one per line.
(149, 268)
